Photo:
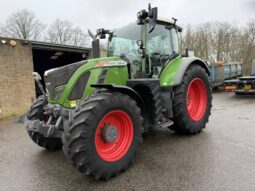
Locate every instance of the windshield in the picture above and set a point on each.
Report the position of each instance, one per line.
(124, 42)
(162, 45)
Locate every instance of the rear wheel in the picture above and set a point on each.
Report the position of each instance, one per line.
(103, 134)
(36, 112)
(192, 101)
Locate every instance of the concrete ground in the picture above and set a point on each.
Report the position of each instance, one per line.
(222, 157)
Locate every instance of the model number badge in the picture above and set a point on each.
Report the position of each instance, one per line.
(111, 63)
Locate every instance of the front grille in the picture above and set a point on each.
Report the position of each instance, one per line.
(102, 76)
(79, 87)
(58, 92)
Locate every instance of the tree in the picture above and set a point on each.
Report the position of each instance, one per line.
(63, 32)
(1, 29)
(80, 38)
(247, 46)
(222, 42)
(188, 38)
(60, 32)
(24, 25)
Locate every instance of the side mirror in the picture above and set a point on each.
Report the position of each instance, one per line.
(149, 16)
(153, 15)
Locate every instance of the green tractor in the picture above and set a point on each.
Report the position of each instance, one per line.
(97, 110)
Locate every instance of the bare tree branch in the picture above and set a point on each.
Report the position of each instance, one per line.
(23, 24)
(63, 32)
(222, 42)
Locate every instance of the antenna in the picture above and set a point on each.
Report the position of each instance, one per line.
(175, 20)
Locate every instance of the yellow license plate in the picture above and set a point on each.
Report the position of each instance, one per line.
(247, 87)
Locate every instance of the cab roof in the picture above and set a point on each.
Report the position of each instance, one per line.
(168, 21)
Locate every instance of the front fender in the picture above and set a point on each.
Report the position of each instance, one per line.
(173, 73)
(125, 90)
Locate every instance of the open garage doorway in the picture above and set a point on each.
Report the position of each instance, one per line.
(47, 56)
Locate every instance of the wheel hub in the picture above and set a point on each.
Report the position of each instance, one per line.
(114, 135)
(109, 133)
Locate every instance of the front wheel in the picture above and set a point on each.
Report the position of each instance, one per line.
(192, 101)
(103, 134)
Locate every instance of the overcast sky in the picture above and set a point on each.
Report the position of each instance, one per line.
(94, 14)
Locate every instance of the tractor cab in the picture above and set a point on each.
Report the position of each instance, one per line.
(147, 46)
(162, 45)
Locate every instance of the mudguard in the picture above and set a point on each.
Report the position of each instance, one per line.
(173, 73)
(123, 89)
(128, 91)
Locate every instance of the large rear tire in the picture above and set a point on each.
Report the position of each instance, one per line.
(192, 101)
(103, 133)
(36, 112)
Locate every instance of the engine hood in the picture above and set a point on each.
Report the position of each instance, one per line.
(63, 79)
(60, 76)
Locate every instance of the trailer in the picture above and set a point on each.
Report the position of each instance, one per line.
(220, 72)
(242, 85)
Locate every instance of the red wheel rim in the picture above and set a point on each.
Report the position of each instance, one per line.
(196, 99)
(113, 151)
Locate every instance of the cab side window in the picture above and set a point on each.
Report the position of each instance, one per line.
(160, 47)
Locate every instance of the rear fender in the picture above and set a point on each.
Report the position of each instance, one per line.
(173, 73)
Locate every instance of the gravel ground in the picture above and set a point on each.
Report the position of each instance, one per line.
(222, 157)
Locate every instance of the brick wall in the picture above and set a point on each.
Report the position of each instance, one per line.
(16, 82)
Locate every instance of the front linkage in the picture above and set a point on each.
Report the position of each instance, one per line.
(43, 118)
(52, 125)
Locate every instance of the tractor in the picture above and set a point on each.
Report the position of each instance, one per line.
(97, 110)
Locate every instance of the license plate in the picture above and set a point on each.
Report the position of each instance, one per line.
(247, 87)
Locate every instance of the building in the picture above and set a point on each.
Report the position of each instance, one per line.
(18, 59)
